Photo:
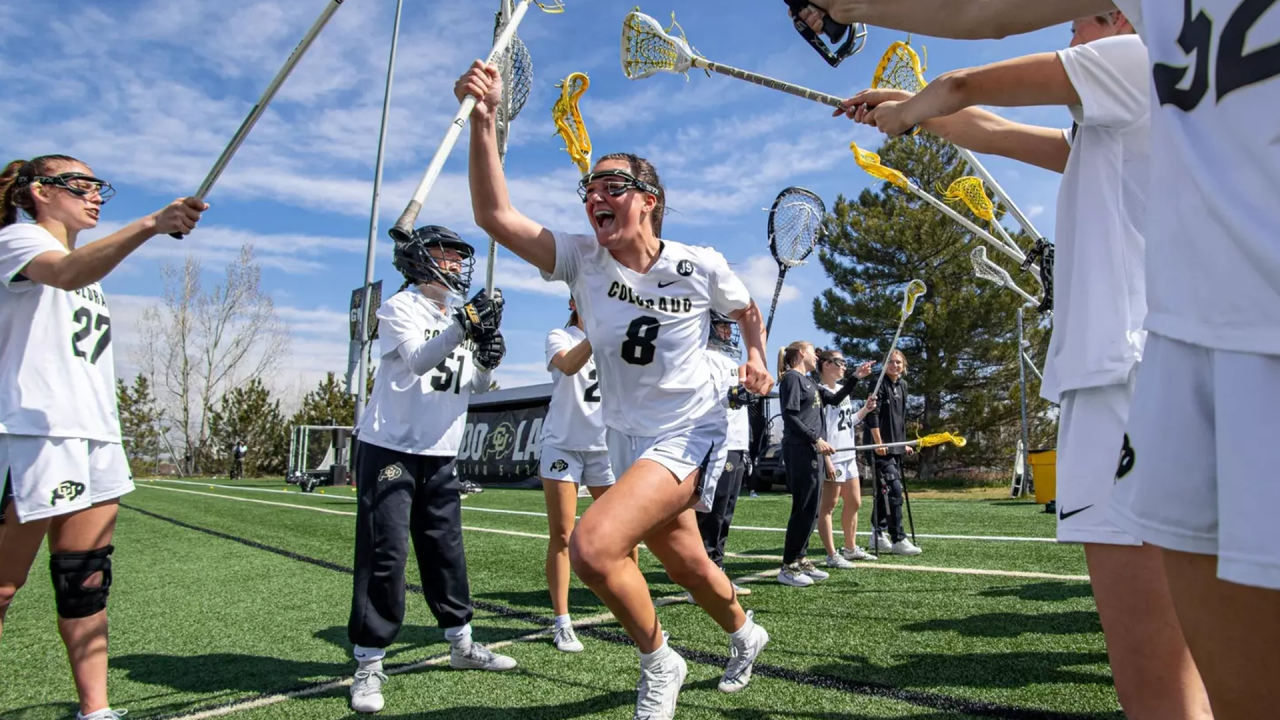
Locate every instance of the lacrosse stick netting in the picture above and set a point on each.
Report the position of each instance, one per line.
(984, 268)
(568, 119)
(795, 226)
(517, 81)
(648, 49)
(912, 292)
(970, 191)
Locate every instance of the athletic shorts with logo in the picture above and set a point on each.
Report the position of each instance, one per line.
(1091, 432)
(1201, 445)
(584, 467)
(846, 470)
(701, 447)
(45, 477)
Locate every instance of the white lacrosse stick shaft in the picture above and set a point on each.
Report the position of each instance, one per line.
(404, 226)
(990, 181)
(906, 313)
(1012, 252)
(503, 135)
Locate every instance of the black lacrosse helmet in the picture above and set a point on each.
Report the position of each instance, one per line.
(413, 259)
(724, 336)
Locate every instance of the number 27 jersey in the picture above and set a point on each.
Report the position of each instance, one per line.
(57, 371)
(648, 331)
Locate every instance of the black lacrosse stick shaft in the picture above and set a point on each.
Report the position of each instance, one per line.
(906, 499)
(777, 290)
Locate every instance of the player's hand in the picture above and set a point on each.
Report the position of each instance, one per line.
(842, 11)
(910, 450)
(490, 350)
(179, 216)
(484, 82)
(823, 447)
(882, 451)
(863, 370)
(891, 117)
(871, 404)
(755, 377)
(857, 107)
(831, 468)
(482, 315)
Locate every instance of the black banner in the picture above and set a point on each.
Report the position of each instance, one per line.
(500, 445)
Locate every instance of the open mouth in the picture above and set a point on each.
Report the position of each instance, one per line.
(604, 218)
(93, 213)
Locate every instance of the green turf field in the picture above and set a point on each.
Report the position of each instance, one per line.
(231, 600)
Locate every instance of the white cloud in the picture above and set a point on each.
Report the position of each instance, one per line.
(1035, 211)
(760, 274)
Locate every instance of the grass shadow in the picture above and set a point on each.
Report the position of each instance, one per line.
(223, 673)
(1007, 625)
(414, 637)
(1007, 670)
(1043, 592)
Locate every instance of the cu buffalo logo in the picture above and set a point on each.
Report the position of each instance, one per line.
(67, 490)
(559, 466)
(728, 466)
(499, 443)
(685, 268)
(391, 472)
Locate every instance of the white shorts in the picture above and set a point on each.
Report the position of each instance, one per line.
(1202, 433)
(1091, 428)
(702, 447)
(57, 476)
(846, 470)
(585, 467)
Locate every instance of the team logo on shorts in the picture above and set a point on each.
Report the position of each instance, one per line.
(67, 490)
(1126, 458)
(559, 466)
(500, 442)
(684, 268)
(390, 472)
(728, 466)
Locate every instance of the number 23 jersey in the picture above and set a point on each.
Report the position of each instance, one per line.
(649, 331)
(57, 371)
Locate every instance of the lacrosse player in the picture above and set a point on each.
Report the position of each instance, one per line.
(62, 465)
(436, 352)
(888, 424)
(840, 422)
(573, 455)
(645, 304)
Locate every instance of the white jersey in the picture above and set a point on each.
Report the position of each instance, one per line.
(57, 370)
(418, 414)
(649, 331)
(840, 421)
(739, 424)
(1213, 273)
(1099, 287)
(574, 420)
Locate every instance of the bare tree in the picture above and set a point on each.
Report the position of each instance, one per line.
(197, 344)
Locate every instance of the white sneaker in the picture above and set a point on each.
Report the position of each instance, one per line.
(474, 656)
(812, 571)
(856, 553)
(107, 714)
(838, 562)
(566, 640)
(794, 576)
(905, 547)
(659, 688)
(883, 543)
(742, 657)
(366, 691)
(742, 591)
(583, 491)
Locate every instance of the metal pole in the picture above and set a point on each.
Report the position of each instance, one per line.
(361, 385)
(1022, 396)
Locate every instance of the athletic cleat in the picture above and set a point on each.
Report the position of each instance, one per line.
(566, 640)
(475, 656)
(856, 553)
(838, 562)
(742, 657)
(659, 688)
(366, 691)
(794, 576)
(808, 568)
(882, 543)
(583, 491)
(905, 547)
(107, 714)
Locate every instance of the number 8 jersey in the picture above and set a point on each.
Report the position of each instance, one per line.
(649, 331)
(57, 371)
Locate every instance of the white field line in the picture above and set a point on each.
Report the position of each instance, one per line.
(750, 528)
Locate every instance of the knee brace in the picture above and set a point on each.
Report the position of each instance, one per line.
(70, 572)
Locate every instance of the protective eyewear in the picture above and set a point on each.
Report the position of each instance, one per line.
(77, 184)
(615, 183)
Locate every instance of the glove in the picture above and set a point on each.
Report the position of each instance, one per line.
(482, 316)
(740, 397)
(1043, 252)
(490, 349)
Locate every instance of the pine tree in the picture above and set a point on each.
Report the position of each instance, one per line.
(327, 404)
(961, 339)
(250, 414)
(139, 424)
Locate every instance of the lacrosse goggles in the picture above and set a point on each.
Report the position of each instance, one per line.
(616, 184)
(77, 184)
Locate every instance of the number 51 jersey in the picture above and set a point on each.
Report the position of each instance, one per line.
(649, 331)
(57, 371)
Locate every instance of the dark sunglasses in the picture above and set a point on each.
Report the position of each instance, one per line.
(77, 184)
(616, 184)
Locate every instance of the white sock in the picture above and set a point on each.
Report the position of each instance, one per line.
(95, 715)
(648, 659)
(369, 658)
(563, 621)
(744, 632)
(460, 635)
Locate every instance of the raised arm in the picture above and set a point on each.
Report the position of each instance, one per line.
(957, 19)
(490, 201)
(571, 361)
(754, 375)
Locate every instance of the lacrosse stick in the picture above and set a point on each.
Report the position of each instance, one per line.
(900, 69)
(943, 438)
(795, 223)
(970, 192)
(404, 226)
(259, 107)
(984, 268)
(647, 49)
(568, 119)
(910, 293)
(831, 29)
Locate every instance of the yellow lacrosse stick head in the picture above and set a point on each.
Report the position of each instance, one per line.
(914, 290)
(870, 162)
(899, 68)
(568, 120)
(552, 7)
(971, 192)
(942, 438)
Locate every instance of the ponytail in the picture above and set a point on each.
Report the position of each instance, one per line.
(15, 185)
(782, 366)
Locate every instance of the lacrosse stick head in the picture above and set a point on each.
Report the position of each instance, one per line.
(943, 438)
(910, 294)
(900, 69)
(517, 70)
(647, 49)
(568, 120)
(870, 163)
(795, 226)
(833, 30)
(970, 191)
(984, 268)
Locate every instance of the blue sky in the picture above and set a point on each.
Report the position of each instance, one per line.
(148, 93)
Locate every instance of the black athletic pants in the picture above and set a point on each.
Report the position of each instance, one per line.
(888, 494)
(804, 477)
(714, 525)
(405, 497)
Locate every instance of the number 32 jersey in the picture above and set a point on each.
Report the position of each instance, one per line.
(57, 371)
(649, 331)
(573, 421)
